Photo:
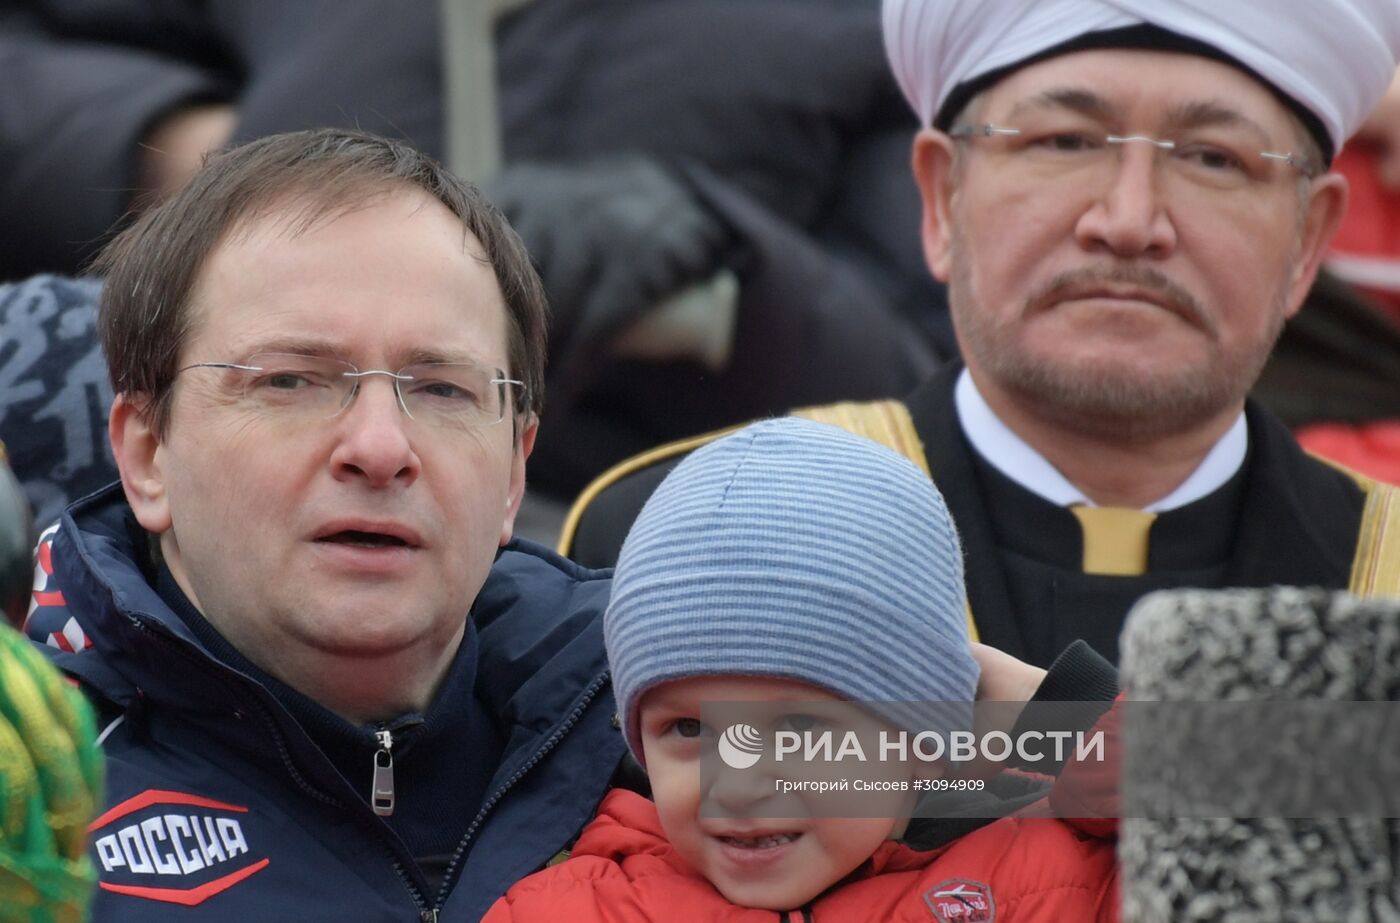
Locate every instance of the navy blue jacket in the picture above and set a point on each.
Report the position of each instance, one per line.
(219, 805)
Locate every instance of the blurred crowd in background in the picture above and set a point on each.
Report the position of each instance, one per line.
(715, 192)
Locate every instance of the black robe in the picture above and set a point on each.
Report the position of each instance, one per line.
(1284, 518)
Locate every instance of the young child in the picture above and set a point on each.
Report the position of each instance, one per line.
(792, 561)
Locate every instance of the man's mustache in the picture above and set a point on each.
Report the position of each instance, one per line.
(1074, 282)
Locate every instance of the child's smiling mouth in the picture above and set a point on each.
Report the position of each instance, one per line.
(766, 841)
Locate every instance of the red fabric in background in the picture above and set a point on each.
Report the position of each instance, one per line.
(1370, 448)
(1370, 233)
(1371, 229)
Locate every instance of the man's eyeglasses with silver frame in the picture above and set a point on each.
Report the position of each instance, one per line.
(303, 388)
(1204, 160)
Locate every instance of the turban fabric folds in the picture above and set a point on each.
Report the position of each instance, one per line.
(1332, 58)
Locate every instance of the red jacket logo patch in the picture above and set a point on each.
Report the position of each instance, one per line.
(958, 900)
(172, 847)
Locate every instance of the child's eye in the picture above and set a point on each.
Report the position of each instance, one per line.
(688, 727)
(801, 722)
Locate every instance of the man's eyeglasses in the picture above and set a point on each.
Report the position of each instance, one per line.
(308, 388)
(1209, 160)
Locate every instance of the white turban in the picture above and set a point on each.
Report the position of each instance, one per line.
(1333, 57)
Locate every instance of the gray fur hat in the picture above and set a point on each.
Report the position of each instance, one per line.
(1282, 646)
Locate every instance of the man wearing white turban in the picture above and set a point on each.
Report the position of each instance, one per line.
(1126, 198)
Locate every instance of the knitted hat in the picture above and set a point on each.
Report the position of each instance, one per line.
(796, 550)
(50, 787)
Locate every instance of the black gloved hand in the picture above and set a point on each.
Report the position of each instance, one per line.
(611, 238)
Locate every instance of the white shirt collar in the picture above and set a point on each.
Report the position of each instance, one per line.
(1014, 457)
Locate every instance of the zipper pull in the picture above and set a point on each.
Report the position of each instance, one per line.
(381, 791)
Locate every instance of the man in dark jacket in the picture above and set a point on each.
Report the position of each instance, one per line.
(326, 693)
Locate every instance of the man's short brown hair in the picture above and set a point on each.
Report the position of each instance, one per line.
(151, 267)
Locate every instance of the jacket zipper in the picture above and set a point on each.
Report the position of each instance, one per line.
(381, 788)
(425, 915)
(181, 648)
(585, 699)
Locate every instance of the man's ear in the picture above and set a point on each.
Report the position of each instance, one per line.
(525, 444)
(138, 452)
(1326, 206)
(933, 171)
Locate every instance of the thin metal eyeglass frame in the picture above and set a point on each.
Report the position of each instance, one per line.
(988, 130)
(354, 392)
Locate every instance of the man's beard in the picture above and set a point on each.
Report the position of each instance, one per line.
(1114, 397)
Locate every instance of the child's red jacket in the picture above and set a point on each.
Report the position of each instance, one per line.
(1013, 870)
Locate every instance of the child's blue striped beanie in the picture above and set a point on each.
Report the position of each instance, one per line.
(797, 550)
